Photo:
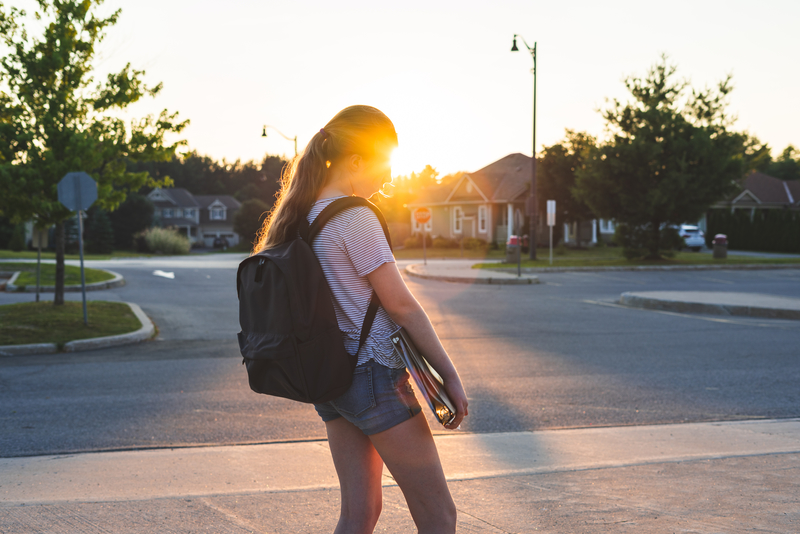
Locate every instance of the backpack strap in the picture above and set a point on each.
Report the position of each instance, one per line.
(340, 205)
(313, 230)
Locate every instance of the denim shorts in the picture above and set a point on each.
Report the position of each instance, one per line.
(378, 399)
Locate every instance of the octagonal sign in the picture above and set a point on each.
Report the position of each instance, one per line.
(77, 191)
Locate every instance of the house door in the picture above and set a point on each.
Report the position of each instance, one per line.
(468, 227)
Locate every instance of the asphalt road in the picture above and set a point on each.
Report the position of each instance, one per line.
(555, 355)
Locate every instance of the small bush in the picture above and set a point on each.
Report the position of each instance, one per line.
(443, 242)
(560, 249)
(17, 241)
(474, 243)
(636, 241)
(166, 241)
(415, 241)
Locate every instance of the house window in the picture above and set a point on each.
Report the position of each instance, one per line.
(482, 219)
(458, 215)
(188, 213)
(606, 227)
(167, 213)
(217, 214)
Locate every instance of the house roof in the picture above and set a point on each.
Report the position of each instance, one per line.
(505, 179)
(502, 181)
(206, 200)
(180, 197)
(769, 190)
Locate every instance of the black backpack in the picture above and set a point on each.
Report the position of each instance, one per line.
(290, 339)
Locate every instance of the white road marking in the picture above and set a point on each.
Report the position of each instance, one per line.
(169, 275)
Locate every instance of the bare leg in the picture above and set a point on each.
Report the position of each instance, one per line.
(359, 469)
(411, 456)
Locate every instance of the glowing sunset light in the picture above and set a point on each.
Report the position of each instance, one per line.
(443, 73)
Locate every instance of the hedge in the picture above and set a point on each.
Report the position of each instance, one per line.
(770, 230)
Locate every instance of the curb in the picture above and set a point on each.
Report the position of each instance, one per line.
(635, 301)
(24, 350)
(476, 280)
(145, 332)
(740, 267)
(117, 281)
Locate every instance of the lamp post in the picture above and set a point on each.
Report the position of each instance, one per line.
(264, 134)
(532, 211)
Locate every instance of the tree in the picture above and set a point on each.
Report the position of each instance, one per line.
(99, 233)
(55, 119)
(132, 216)
(669, 157)
(787, 166)
(558, 165)
(249, 218)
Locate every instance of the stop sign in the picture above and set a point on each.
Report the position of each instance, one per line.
(422, 215)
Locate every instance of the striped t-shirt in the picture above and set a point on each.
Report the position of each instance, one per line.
(349, 247)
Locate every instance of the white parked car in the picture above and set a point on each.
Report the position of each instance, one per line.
(694, 238)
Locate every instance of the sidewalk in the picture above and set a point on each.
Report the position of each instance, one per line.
(462, 271)
(715, 302)
(701, 477)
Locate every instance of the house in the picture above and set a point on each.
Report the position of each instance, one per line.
(761, 191)
(480, 204)
(202, 218)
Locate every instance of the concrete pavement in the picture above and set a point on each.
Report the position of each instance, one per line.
(461, 271)
(506, 482)
(715, 302)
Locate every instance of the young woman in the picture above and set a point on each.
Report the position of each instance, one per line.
(378, 420)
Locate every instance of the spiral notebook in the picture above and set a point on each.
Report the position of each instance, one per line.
(426, 377)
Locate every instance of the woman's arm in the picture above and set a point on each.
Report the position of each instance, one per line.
(404, 310)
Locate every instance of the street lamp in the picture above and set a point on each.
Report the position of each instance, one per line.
(264, 134)
(532, 211)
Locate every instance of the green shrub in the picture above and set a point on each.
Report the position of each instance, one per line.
(166, 241)
(560, 249)
(635, 241)
(474, 243)
(443, 242)
(768, 230)
(17, 241)
(99, 233)
(415, 241)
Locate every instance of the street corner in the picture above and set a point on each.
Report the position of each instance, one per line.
(462, 272)
(715, 303)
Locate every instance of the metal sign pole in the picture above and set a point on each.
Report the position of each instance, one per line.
(551, 245)
(38, 264)
(76, 181)
(424, 247)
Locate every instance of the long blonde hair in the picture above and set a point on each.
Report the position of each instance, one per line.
(361, 130)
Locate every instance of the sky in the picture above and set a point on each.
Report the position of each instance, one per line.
(443, 71)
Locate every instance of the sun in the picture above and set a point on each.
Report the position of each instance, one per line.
(402, 163)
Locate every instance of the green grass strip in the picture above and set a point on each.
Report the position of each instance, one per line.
(681, 258)
(41, 322)
(72, 274)
(47, 255)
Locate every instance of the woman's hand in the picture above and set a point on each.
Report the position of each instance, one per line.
(455, 391)
(404, 310)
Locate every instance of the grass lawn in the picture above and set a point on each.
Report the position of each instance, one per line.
(47, 255)
(72, 274)
(41, 322)
(612, 257)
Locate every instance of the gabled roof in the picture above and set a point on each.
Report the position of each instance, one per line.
(179, 196)
(505, 180)
(228, 201)
(769, 190)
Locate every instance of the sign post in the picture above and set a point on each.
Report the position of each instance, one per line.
(77, 191)
(422, 216)
(551, 222)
